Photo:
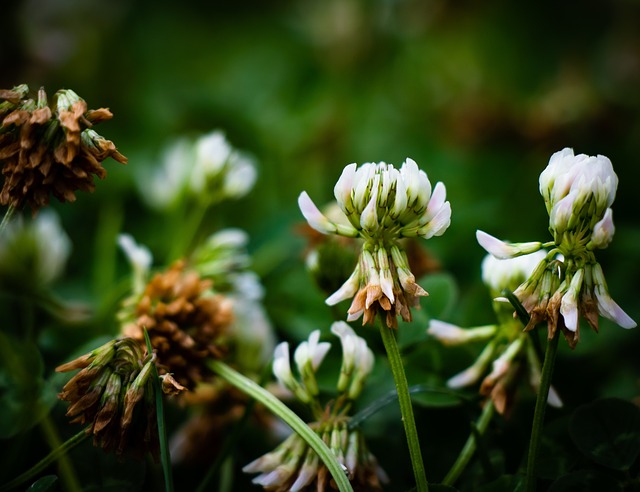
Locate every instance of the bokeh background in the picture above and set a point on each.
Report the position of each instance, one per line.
(479, 94)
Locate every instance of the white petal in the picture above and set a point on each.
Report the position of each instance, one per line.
(502, 250)
(347, 290)
(604, 230)
(344, 186)
(439, 224)
(314, 217)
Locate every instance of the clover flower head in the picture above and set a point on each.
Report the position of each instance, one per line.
(187, 322)
(50, 149)
(568, 283)
(381, 205)
(294, 466)
(114, 394)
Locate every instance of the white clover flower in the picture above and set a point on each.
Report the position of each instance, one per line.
(139, 256)
(357, 360)
(162, 187)
(219, 170)
(577, 190)
(311, 353)
(382, 204)
(568, 284)
(34, 251)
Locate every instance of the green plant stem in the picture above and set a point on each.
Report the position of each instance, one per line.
(257, 392)
(54, 455)
(404, 399)
(165, 457)
(538, 415)
(8, 215)
(67, 473)
(470, 446)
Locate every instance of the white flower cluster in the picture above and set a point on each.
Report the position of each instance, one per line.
(568, 283)
(357, 364)
(209, 169)
(381, 202)
(381, 205)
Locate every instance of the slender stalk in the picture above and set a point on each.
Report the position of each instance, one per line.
(165, 457)
(46, 461)
(8, 215)
(257, 392)
(67, 473)
(470, 446)
(538, 416)
(404, 399)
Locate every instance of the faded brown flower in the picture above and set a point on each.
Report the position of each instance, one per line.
(47, 150)
(113, 393)
(185, 320)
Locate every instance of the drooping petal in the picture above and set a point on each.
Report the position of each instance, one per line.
(502, 250)
(347, 290)
(569, 304)
(314, 217)
(607, 306)
(603, 230)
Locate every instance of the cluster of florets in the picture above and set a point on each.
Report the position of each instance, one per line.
(47, 150)
(293, 465)
(569, 283)
(381, 205)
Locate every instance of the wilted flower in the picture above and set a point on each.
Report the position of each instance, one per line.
(207, 168)
(113, 393)
(568, 283)
(509, 355)
(48, 150)
(293, 465)
(382, 205)
(186, 322)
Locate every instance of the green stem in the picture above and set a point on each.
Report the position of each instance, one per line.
(404, 399)
(538, 416)
(470, 446)
(54, 455)
(65, 468)
(8, 215)
(257, 392)
(165, 457)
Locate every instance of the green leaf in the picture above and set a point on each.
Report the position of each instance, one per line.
(440, 487)
(432, 397)
(586, 481)
(443, 294)
(25, 397)
(48, 483)
(608, 432)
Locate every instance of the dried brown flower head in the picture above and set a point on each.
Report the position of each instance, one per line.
(113, 393)
(186, 322)
(48, 150)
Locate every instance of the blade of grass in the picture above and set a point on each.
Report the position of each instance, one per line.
(165, 457)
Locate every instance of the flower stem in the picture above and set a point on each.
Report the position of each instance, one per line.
(404, 399)
(538, 416)
(470, 446)
(257, 392)
(46, 461)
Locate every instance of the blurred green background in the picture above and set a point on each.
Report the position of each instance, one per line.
(479, 94)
